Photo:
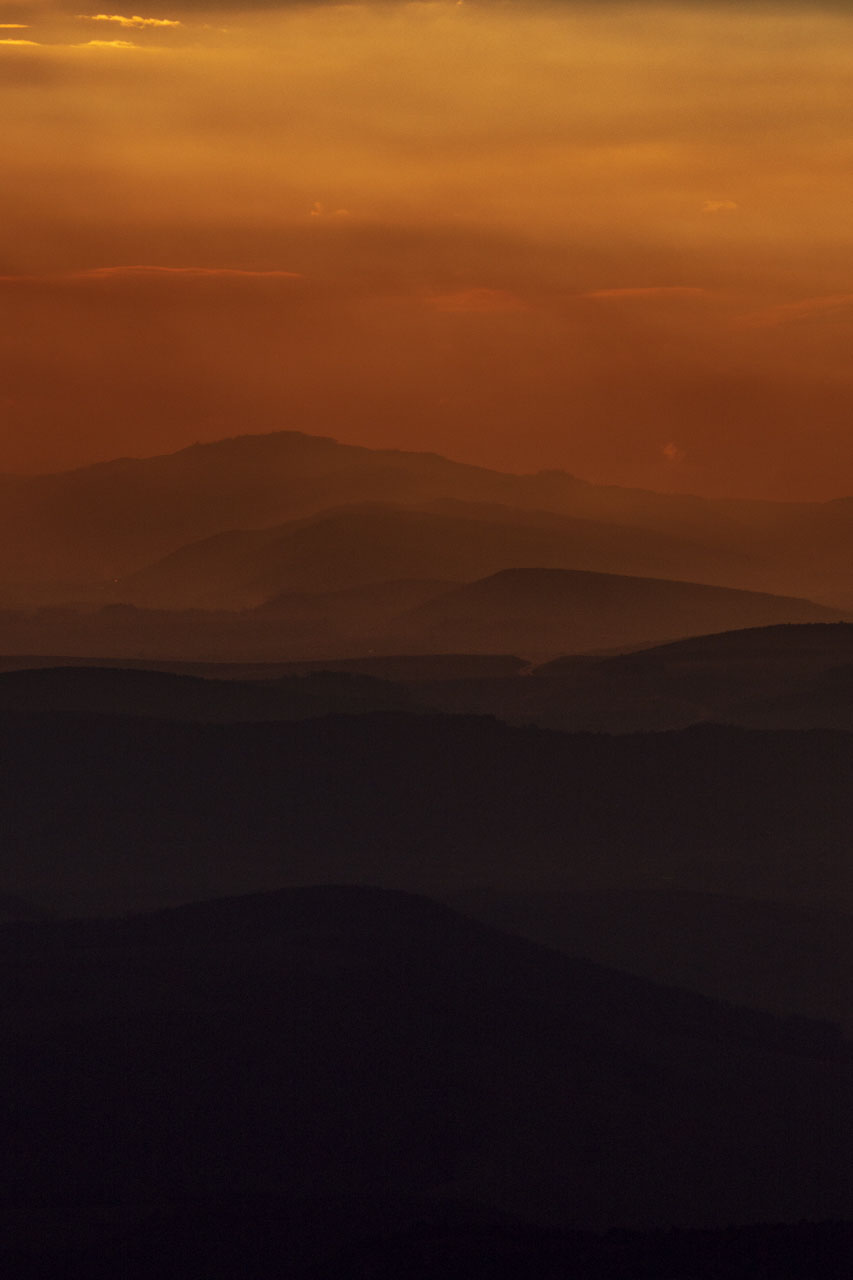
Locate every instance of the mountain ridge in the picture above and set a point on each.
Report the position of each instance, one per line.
(110, 519)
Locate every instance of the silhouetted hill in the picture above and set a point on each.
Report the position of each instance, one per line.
(798, 649)
(341, 1041)
(783, 957)
(364, 546)
(786, 677)
(113, 813)
(536, 611)
(106, 521)
(532, 612)
(791, 677)
(128, 692)
(402, 668)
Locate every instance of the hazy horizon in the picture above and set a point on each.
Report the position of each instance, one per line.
(607, 239)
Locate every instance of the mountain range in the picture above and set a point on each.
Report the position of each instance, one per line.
(410, 869)
(786, 677)
(534, 613)
(325, 1043)
(106, 813)
(112, 520)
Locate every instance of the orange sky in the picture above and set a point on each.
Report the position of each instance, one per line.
(615, 239)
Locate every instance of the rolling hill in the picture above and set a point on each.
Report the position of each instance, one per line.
(104, 522)
(334, 1042)
(778, 956)
(539, 611)
(107, 813)
(368, 545)
(534, 613)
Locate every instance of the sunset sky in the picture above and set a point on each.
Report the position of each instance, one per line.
(610, 238)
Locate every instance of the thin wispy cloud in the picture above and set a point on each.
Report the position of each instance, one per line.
(649, 291)
(107, 44)
(477, 300)
(719, 206)
(135, 22)
(792, 312)
(97, 275)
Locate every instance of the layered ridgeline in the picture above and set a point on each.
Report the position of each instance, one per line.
(110, 521)
(785, 677)
(320, 1045)
(530, 612)
(717, 922)
(115, 813)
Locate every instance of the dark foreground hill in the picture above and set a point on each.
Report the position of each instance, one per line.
(780, 956)
(108, 690)
(785, 677)
(323, 1044)
(117, 813)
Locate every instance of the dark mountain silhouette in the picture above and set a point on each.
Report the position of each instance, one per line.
(108, 813)
(349, 1042)
(791, 677)
(534, 611)
(782, 957)
(786, 677)
(106, 521)
(362, 546)
(164, 695)
(401, 668)
(762, 654)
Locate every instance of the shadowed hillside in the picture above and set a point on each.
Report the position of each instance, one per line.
(786, 958)
(163, 695)
(786, 677)
(113, 813)
(335, 1042)
(536, 613)
(366, 545)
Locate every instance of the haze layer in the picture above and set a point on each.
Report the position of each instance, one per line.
(609, 238)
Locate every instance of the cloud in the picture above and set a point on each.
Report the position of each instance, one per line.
(152, 276)
(792, 312)
(649, 291)
(477, 300)
(103, 274)
(180, 273)
(135, 21)
(31, 43)
(106, 44)
(719, 206)
(319, 210)
(14, 26)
